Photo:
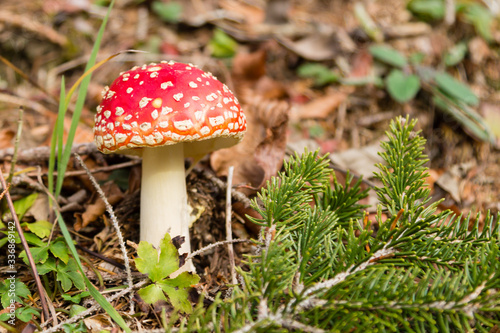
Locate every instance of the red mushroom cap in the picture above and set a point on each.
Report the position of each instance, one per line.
(167, 103)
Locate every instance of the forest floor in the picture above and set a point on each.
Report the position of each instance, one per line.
(307, 75)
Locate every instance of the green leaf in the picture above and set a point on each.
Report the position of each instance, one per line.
(169, 12)
(321, 74)
(481, 18)
(178, 297)
(152, 294)
(402, 87)
(169, 258)
(32, 239)
(21, 290)
(75, 298)
(75, 309)
(22, 205)
(157, 266)
(48, 266)
(25, 314)
(40, 228)
(40, 254)
(388, 55)
(456, 54)
(75, 328)
(427, 9)
(68, 275)
(222, 45)
(148, 258)
(60, 250)
(455, 89)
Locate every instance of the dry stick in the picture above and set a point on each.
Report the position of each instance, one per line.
(43, 153)
(219, 183)
(16, 144)
(229, 231)
(114, 220)
(210, 246)
(27, 249)
(449, 13)
(117, 166)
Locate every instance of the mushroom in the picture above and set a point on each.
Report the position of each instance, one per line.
(165, 112)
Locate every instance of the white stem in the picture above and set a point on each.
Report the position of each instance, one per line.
(164, 207)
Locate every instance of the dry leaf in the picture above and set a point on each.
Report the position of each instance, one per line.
(362, 161)
(249, 66)
(245, 11)
(260, 155)
(361, 64)
(95, 210)
(316, 47)
(6, 136)
(322, 107)
(98, 323)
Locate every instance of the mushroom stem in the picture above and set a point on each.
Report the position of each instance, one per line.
(164, 207)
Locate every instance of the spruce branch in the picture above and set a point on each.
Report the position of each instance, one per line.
(318, 266)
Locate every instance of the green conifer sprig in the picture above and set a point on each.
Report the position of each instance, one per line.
(318, 268)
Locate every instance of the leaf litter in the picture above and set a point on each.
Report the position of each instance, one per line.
(286, 110)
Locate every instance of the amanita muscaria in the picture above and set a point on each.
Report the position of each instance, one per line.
(165, 112)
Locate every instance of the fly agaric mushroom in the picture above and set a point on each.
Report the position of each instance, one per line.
(165, 112)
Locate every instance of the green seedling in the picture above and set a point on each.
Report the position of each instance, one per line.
(222, 45)
(158, 266)
(320, 74)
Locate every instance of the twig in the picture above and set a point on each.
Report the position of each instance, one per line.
(449, 16)
(108, 168)
(308, 300)
(94, 307)
(210, 246)
(16, 144)
(220, 184)
(34, 271)
(229, 231)
(43, 153)
(114, 221)
(102, 257)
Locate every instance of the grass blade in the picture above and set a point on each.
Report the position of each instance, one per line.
(57, 137)
(93, 291)
(82, 92)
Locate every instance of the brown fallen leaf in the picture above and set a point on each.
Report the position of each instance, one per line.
(322, 107)
(361, 64)
(249, 66)
(96, 209)
(6, 136)
(260, 155)
(316, 47)
(247, 12)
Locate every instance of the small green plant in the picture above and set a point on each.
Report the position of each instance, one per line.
(405, 79)
(472, 12)
(222, 45)
(320, 74)
(319, 266)
(158, 266)
(169, 12)
(13, 290)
